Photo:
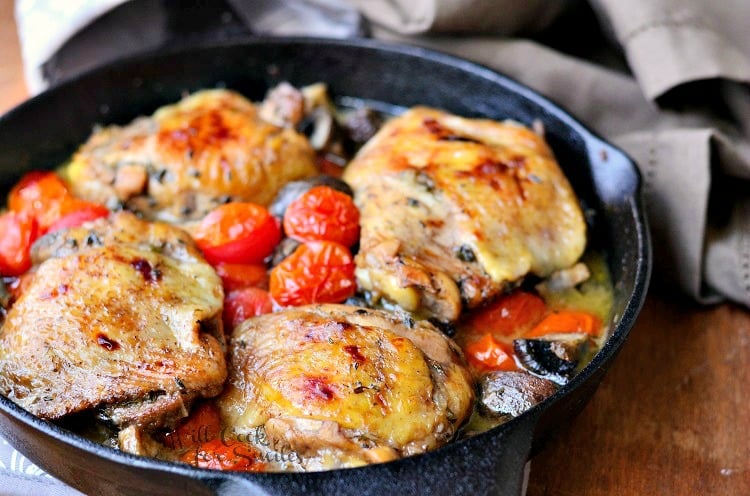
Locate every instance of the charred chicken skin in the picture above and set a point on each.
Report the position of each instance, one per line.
(210, 148)
(456, 210)
(120, 315)
(344, 386)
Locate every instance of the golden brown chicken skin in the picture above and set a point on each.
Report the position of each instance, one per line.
(343, 386)
(120, 315)
(455, 210)
(210, 148)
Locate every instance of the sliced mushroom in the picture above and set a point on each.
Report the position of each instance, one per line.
(295, 189)
(134, 440)
(316, 95)
(509, 394)
(554, 357)
(285, 248)
(283, 106)
(319, 127)
(362, 124)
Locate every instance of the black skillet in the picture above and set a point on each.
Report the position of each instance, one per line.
(43, 131)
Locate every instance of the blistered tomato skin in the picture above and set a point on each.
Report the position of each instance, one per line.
(488, 354)
(317, 272)
(41, 195)
(323, 214)
(509, 315)
(44, 196)
(238, 276)
(18, 231)
(241, 304)
(238, 233)
(225, 454)
(84, 212)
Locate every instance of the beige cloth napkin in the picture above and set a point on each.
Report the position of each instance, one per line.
(695, 160)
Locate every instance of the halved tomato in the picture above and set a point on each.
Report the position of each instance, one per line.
(41, 194)
(238, 276)
(225, 454)
(317, 272)
(237, 233)
(508, 315)
(567, 321)
(80, 211)
(17, 233)
(490, 354)
(241, 304)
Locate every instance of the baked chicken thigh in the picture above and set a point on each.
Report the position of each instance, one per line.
(210, 148)
(120, 315)
(343, 386)
(455, 210)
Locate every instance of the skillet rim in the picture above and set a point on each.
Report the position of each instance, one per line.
(603, 358)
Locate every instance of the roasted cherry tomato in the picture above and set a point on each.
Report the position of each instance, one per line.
(203, 425)
(17, 233)
(40, 194)
(567, 321)
(80, 211)
(490, 354)
(323, 214)
(225, 454)
(509, 314)
(241, 304)
(317, 272)
(237, 233)
(238, 276)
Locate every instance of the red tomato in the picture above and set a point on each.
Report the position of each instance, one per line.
(237, 233)
(238, 276)
(509, 314)
(323, 214)
(203, 425)
(241, 304)
(567, 321)
(317, 272)
(225, 454)
(489, 354)
(17, 233)
(41, 194)
(80, 211)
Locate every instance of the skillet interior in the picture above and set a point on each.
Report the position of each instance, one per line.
(43, 132)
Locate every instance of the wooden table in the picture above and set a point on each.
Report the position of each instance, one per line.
(671, 417)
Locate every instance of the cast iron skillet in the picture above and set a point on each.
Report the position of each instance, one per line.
(43, 131)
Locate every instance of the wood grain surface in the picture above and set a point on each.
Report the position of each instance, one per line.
(671, 417)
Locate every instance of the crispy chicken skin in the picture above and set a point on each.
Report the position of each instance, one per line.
(120, 315)
(455, 210)
(343, 386)
(175, 166)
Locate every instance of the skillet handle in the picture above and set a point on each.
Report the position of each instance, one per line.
(510, 454)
